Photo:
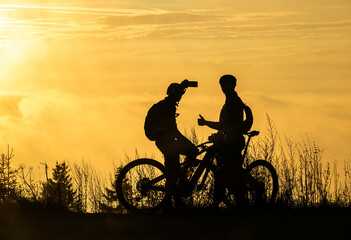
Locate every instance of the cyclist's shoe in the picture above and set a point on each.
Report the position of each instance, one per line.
(182, 190)
(170, 189)
(260, 193)
(172, 206)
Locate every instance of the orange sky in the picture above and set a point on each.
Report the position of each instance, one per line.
(77, 77)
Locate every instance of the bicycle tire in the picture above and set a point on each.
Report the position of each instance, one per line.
(135, 189)
(202, 194)
(271, 187)
(259, 174)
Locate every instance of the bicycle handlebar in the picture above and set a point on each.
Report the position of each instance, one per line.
(249, 134)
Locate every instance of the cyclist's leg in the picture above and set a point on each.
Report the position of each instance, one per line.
(185, 147)
(166, 144)
(219, 187)
(235, 174)
(171, 148)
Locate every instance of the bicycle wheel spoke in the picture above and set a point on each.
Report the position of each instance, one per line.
(158, 188)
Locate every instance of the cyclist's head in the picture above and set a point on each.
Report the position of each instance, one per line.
(176, 91)
(228, 79)
(172, 87)
(228, 83)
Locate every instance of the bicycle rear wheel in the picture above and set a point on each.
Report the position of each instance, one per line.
(259, 187)
(141, 186)
(265, 181)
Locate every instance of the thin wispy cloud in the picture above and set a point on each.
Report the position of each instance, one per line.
(255, 29)
(122, 23)
(340, 6)
(84, 10)
(264, 15)
(160, 19)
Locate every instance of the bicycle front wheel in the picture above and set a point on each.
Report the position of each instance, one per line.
(199, 192)
(141, 186)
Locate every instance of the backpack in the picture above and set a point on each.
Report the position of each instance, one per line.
(248, 119)
(153, 120)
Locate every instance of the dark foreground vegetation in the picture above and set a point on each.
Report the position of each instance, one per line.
(74, 201)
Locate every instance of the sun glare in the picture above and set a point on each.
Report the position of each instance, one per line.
(15, 38)
(13, 56)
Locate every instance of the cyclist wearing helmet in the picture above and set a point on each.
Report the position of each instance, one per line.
(161, 127)
(231, 127)
(231, 120)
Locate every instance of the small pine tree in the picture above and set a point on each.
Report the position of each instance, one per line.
(59, 191)
(8, 180)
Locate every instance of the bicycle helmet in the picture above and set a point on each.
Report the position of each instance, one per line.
(227, 79)
(172, 87)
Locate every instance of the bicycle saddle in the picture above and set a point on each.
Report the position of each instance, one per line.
(252, 133)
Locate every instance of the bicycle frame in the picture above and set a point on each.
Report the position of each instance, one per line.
(205, 162)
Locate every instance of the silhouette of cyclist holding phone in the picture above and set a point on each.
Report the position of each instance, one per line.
(161, 127)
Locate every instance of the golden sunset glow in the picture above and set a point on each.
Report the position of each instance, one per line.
(77, 77)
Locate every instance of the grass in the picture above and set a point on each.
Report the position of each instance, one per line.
(306, 180)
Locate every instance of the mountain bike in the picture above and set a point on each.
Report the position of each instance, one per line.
(141, 184)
